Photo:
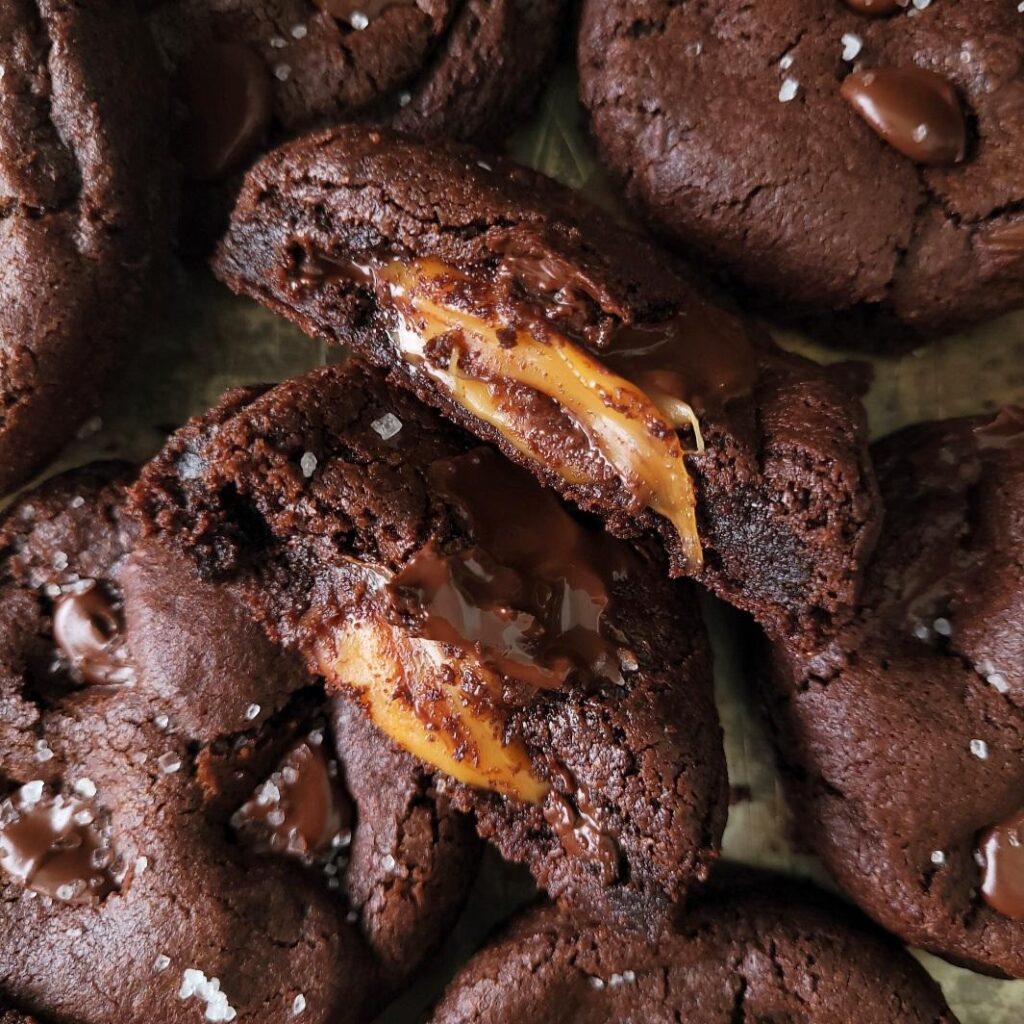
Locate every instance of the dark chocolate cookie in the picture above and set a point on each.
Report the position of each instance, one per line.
(187, 828)
(83, 176)
(254, 72)
(902, 742)
(773, 951)
(553, 678)
(831, 157)
(580, 349)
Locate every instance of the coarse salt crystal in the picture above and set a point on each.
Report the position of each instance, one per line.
(979, 748)
(282, 72)
(943, 627)
(169, 762)
(252, 712)
(43, 751)
(388, 862)
(387, 426)
(596, 982)
(404, 99)
(852, 45)
(86, 788)
(788, 90)
(161, 963)
(786, 62)
(997, 681)
(298, 1004)
(920, 133)
(299, 31)
(308, 464)
(358, 21)
(938, 857)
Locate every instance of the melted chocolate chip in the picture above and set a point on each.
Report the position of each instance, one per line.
(876, 8)
(226, 90)
(1001, 852)
(529, 595)
(916, 111)
(301, 810)
(1004, 242)
(57, 846)
(87, 628)
(574, 822)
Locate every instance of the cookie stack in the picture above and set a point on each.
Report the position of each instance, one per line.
(265, 699)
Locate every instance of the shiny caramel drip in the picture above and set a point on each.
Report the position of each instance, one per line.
(411, 689)
(621, 422)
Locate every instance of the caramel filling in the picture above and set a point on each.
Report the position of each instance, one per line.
(513, 603)
(475, 356)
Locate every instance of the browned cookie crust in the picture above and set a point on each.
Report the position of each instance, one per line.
(903, 741)
(175, 776)
(801, 201)
(772, 952)
(786, 501)
(286, 493)
(83, 141)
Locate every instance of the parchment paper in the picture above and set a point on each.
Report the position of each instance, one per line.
(213, 341)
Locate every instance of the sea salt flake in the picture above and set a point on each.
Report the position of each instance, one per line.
(629, 977)
(997, 681)
(282, 72)
(387, 426)
(788, 90)
(43, 751)
(920, 133)
(922, 4)
(596, 982)
(169, 763)
(298, 1004)
(252, 712)
(852, 45)
(979, 748)
(786, 61)
(404, 99)
(278, 42)
(299, 31)
(358, 21)
(86, 788)
(161, 963)
(943, 627)
(162, 722)
(388, 862)
(308, 464)
(938, 858)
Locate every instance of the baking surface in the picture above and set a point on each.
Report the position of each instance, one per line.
(212, 342)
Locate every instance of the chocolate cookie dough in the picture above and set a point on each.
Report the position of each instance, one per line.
(773, 951)
(902, 742)
(189, 829)
(580, 349)
(854, 167)
(83, 187)
(552, 678)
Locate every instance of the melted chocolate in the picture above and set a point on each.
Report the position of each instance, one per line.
(301, 810)
(1001, 852)
(916, 111)
(529, 595)
(88, 629)
(574, 822)
(347, 10)
(876, 8)
(1004, 242)
(226, 90)
(57, 846)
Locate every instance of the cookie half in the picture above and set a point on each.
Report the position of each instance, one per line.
(902, 742)
(770, 951)
(84, 172)
(854, 173)
(554, 680)
(175, 845)
(577, 347)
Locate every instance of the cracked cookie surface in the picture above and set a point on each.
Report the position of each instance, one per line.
(902, 741)
(774, 951)
(333, 230)
(83, 194)
(322, 499)
(726, 126)
(252, 846)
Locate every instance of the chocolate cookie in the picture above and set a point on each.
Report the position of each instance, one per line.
(174, 844)
(775, 951)
(902, 742)
(577, 347)
(254, 72)
(852, 165)
(553, 679)
(83, 171)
